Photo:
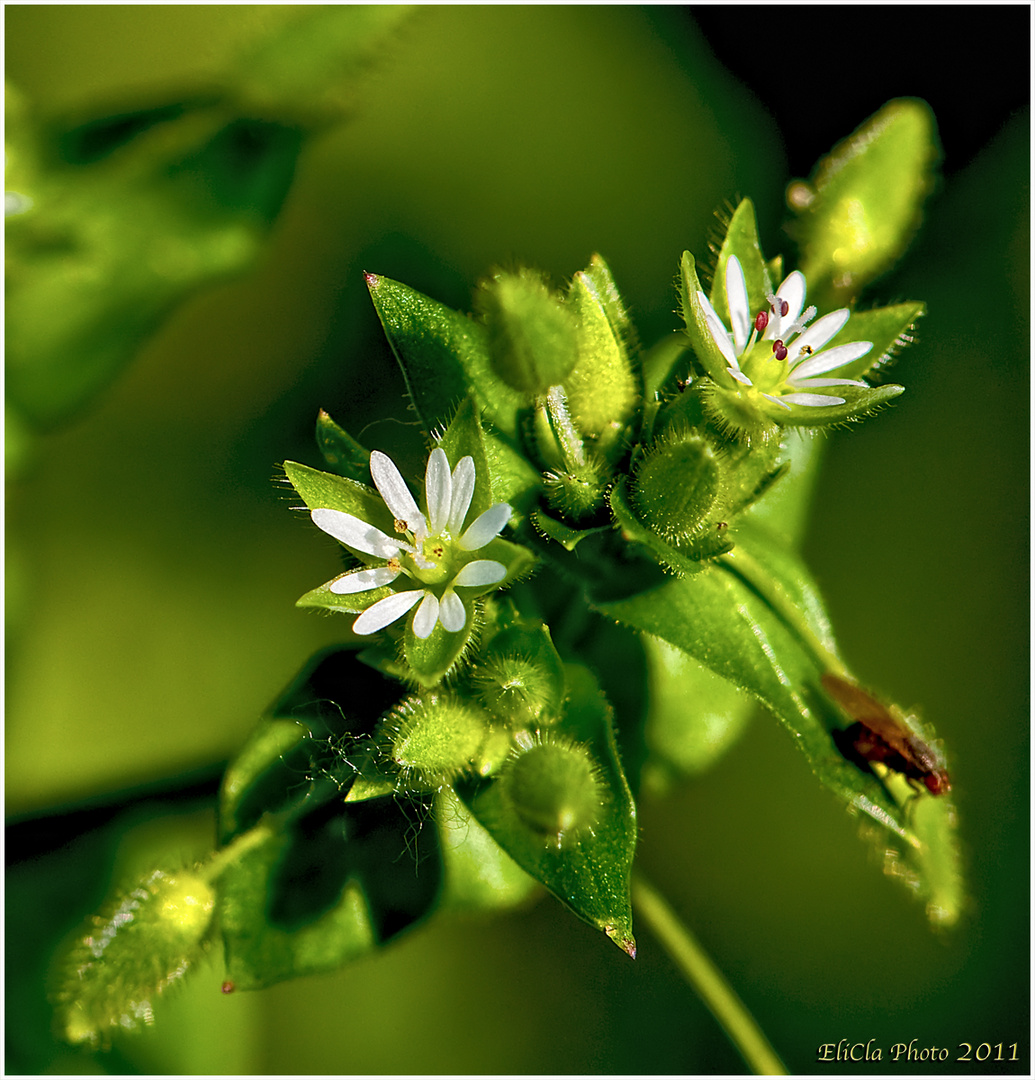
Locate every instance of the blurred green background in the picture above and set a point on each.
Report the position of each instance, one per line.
(153, 564)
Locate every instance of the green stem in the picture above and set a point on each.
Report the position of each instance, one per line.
(706, 979)
(227, 856)
(776, 596)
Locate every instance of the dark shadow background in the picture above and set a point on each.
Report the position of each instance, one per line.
(541, 134)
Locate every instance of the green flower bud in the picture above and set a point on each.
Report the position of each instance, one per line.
(554, 787)
(677, 485)
(516, 689)
(434, 739)
(603, 388)
(533, 336)
(143, 944)
(577, 492)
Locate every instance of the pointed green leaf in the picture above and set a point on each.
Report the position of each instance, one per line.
(590, 871)
(686, 739)
(479, 874)
(443, 355)
(756, 619)
(342, 880)
(433, 657)
(560, 533)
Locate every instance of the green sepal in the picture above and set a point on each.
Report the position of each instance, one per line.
(432, 658)
(321, 490)
(443, 355)
(858, 402)
(322, 597)
(886, 327)
(463, 438)
(341, 451)
(709, 356)
(742, 241)
(863, 203)
(561, 533)
(590, 873)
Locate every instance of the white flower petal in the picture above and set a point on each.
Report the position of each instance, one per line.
(830, 359)
(720, 335)
(356, 533)
(776, 401)
(485, 527)
(379, 615)
(438, 489)
(463, 492)
(389, 482)
(426, 617)
(451, 613)
(804, 384)
(812, 399)
(363, 580)
(792, 289)
(817, 335)
(739, 375)
(737, 298)
(480, 572)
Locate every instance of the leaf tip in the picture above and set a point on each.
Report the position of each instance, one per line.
(626, 942)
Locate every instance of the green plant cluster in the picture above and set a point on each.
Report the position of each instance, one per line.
(600, 580)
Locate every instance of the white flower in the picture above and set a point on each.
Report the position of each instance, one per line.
(801, 363)
(433, 552)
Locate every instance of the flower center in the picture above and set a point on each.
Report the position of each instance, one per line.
(433, 562)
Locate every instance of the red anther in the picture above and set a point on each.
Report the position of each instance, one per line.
(779, 349)
(761, 322)
(780, 307)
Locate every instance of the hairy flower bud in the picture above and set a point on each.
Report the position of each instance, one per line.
(554, 787)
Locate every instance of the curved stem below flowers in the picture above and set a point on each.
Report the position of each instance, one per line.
(706, 979)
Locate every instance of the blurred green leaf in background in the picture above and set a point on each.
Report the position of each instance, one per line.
(152, 571)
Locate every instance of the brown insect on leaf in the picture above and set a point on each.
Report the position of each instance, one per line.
(880, 736)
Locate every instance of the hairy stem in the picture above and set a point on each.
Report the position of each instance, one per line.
(709, 982)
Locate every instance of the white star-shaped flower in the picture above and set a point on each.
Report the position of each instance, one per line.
(432, 553)
(808, 363)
